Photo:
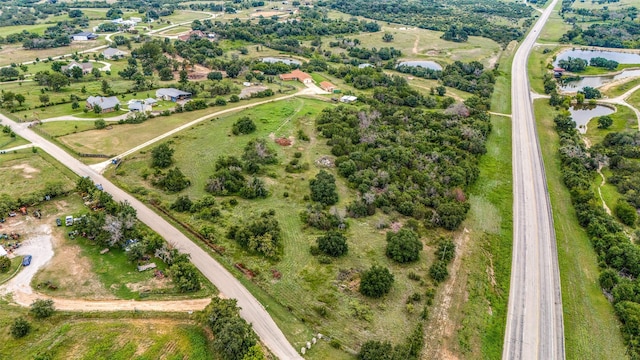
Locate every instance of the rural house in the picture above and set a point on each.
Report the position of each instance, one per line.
(298, 75)
(139, 106)
(113, 53)
(171, 94)
(347, 99)
(193, 33)
(107, 104)
(86, 67)
(84, 36)
(327, 86)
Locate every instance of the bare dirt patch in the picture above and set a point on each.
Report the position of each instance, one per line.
(249, 90)
(27, 171)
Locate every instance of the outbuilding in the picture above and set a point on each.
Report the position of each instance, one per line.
(172, 94)
(84, 36)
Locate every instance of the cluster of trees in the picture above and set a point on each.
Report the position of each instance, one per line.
(244, 126)
(234, 337)
(51, 189)
(471, 18)
(612, 33)
(413, 161)
(205, 208)
(470, 77)
(603, 63)
(261, 235)
(619, 257)
(573, 64)
(323, 189)
(285, 35)
(40, 309)
(111, 224)
(384, 350)
(374, 54)
(173, 180)
(403, 246)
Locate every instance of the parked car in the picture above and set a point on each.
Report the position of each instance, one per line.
(58, 222)
(26, 261)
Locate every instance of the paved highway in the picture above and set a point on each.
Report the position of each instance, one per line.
(535, 328)
(229, 286)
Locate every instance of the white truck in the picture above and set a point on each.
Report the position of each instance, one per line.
(68, 221)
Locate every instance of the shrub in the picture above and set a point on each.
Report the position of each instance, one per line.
(334, 243)
(604, 122)
(323, 189)
(243, 126)
(173, 181)
(20, 328)
(626, 213)
(376, 282)
(5, 264)
(162, 156)
(438, 271)
(42, 308)
(403, 246)
(100, 124)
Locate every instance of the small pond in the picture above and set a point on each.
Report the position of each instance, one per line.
(581, 114)
(272, 60)
(597, 81)
(620, 57)
(422, 63)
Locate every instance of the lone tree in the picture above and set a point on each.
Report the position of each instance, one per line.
(387, 37)
(604, 122)
(42, 308)
(323, 189)
(162, 156)
(20, 328)
(243, 126)
(334, 243)
(376, 282)
(403, 246)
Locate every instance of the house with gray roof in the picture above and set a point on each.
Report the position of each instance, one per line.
(107, 104)
(113, 53)
(86, 67)
(84, 36)
(172, 94)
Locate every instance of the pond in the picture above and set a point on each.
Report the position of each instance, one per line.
(272, 60)
(597, 81)
(620, 57)
(422, 63)
(581, 114)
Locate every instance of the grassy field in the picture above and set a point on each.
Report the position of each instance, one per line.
(6, 141)
(105, 336)
(591, 328)
(615, 90)
(305, 284)
(417, 44)
(538, 65)
(180, 16)
(634, 99)
(624, 119)
(16, 54)
(480, 298)
(25, 172)
(501, 98)
(118, 139)
(554, 28)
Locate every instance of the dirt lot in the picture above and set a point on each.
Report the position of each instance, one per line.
(247, 91)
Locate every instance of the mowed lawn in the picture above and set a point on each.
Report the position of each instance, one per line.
(306, 286)
(590, 326)
(14, 53)
(25, 172)
(624, 119)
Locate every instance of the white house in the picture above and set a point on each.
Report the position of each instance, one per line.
(86, 67)
(171, 94)
(348, 99)
(113, 53)
(84, 36)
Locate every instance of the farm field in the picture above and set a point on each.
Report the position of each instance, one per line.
(306, 286)
(591, 328)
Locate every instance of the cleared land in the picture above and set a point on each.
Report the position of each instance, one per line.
(110, 336)
(16, 54)
(25, 172)
(591, 328)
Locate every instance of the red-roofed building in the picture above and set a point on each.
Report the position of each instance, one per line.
(298, 75)
(327, 86)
